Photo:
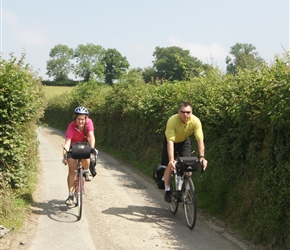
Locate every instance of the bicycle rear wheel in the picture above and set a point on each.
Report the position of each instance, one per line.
(174, 196)
(189, 203)
(79, 193)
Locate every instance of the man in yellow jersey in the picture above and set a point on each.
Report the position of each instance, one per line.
(178, 129)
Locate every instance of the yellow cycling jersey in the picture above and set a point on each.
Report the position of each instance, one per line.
(177, 131)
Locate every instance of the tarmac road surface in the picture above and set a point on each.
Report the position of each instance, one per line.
(123, 209)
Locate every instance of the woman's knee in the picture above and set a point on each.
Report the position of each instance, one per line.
(71, 166)
(86, 163)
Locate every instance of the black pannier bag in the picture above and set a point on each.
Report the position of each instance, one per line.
(158, 176)
(188, 164)
(93, 163)
(81, 150)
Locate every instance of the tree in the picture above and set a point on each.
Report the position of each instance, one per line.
(149, 75)
(89, 61)
(174, 63)
(115, 65)
(133, 76)
(59, 66)
(244, 56)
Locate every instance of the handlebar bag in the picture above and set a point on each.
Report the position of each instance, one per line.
(188, 164)
(81, 150)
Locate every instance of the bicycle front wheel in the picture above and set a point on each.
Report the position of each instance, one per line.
(79, 193)
(189, 203)
(174, 196)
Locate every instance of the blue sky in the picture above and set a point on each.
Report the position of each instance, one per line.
(208, 28)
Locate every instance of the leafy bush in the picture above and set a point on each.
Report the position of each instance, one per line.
(21, 99)
(22, 104)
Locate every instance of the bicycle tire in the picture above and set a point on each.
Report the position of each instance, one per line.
(189, 203)
(79, 193)
(174, 196)
(76, 187)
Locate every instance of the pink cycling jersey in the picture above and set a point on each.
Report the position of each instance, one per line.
(75, 134)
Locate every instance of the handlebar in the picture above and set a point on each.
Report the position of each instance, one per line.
(93, 150)
(189, 164)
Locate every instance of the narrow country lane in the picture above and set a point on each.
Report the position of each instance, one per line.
(122, 210)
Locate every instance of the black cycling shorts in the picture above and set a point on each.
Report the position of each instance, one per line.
(180, 149)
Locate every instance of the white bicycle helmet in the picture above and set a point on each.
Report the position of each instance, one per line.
(81, 111)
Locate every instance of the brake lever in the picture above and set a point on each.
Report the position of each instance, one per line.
(202, 169)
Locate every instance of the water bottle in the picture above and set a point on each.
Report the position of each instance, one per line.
(179, 182)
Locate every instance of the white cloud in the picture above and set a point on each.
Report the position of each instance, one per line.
(140, 55)
(32, 36)
(213, 53)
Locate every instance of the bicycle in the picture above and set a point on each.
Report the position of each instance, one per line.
(79, 151)
(182, 188)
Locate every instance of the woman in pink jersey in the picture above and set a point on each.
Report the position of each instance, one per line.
(79, 130)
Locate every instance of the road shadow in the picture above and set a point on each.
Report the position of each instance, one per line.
(56, 210)
(173, 225)
(145, 214)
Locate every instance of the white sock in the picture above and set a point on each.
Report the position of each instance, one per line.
(167, 187)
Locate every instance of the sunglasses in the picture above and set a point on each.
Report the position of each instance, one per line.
(185, 112)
